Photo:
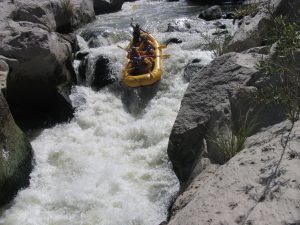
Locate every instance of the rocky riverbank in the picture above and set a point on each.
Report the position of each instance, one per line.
(243, 190)
(36, 54)
(37, 49)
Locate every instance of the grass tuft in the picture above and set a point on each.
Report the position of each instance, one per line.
(234, 142)
(67, 8)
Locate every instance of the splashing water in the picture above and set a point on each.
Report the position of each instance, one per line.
(109, 166)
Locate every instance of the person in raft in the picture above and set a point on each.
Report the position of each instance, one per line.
(138, 64)
(136, 33)
(146, 47)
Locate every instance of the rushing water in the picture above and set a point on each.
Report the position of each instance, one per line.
(109, 166)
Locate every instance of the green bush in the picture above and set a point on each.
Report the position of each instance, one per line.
(279, 68)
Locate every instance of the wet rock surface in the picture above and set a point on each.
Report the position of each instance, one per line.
(95, 71)
(106, 6)
(15, 155)
(211, 13)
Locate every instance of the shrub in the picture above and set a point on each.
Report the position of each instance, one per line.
(284, 85)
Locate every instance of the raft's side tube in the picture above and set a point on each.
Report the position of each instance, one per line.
(148, 78)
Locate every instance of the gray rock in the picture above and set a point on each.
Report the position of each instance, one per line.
(83, 13)
(95, 71)
(219, 125)
(230, 194)
(57, 15)
(219, 98)
(4, 69)
(264, 50)
(35, 12)
(250, 33)
(220, 25)
(182, 26)
(106, 6)
(15, 155)
(220, 32)
(211, 13)
(44, 68)
(208, 90)
(207, 168)
(81, 54)
(191, 70)
(253, 31)
(173, 40)
(6, 9)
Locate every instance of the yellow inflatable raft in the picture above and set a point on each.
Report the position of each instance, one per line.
(147, 78)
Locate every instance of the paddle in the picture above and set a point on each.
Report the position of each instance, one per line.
(164, 56)
(159, 47)
(162, 46)
(122, 48)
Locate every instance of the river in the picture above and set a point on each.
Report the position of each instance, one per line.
(109, 164)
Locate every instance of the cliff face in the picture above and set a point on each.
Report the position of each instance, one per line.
(218, 98)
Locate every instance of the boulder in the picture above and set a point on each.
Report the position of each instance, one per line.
(231, 193)
(106, 6)
(95, 71)
(211, 13)
(15, 154)
(253, 30)
(179, 26)
(96, 37)
(62, 16)
(207, 90)
(173, 40)
(219, 97)
(83, 13)
(6, 9)
(192, 70)
(43, 73)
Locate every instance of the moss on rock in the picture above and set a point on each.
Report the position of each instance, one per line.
(15, 155)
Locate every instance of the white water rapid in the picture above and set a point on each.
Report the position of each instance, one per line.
(109, 166)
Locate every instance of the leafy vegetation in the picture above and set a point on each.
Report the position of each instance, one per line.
(248, 10)
(283, 86)
(284, 81)
(217, 43)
